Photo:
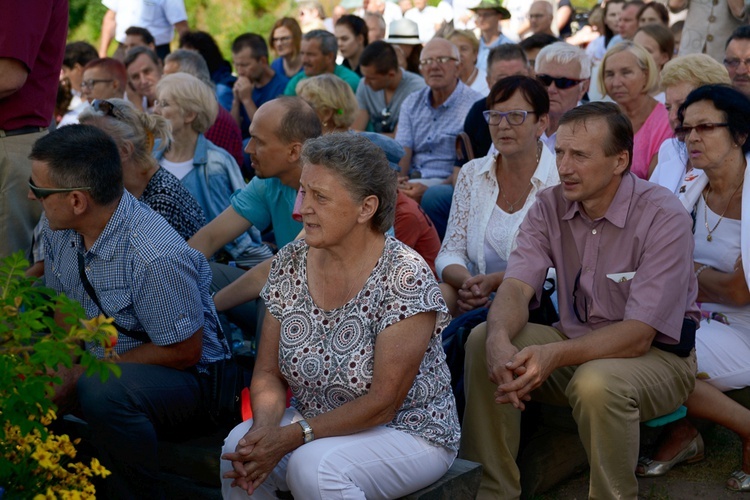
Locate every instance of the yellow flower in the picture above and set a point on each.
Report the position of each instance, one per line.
(98, 468)
(43, 457)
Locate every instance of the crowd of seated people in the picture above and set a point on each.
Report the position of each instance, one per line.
(507, 143)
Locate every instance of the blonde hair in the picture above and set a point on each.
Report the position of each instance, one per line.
(190, 95)
(643, 59)
(330, 91)
(695, 69)
(467, 35)
(131, 126)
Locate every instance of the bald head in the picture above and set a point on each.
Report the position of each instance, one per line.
(540, 17)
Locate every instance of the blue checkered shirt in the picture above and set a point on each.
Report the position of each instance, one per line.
(145, 275)
(431, 133)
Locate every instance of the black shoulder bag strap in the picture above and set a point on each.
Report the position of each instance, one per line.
(134, 334)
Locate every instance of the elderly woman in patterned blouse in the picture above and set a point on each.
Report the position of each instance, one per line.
(353, 329)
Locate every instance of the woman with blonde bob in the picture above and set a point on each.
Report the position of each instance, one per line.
(135, 134)
(678, 78)
(469, 73)
(332, 99)
(207, 171)
(629, 75)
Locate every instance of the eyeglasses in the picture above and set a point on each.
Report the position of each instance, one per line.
(40, 193)
(536, 16)
(439, 60)
(385, 114)
(734, 63)
(585, 318)
(107, 108)
(682, 133)
(161, 103)
(515, 117)
(281, 39)
(561, 83)
(89, 84)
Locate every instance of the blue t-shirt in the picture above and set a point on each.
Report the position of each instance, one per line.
(278, 66)
(262, 95)
(267, 201)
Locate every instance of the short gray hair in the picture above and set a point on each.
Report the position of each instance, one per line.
(192, 63)
(328, 43)
(192, 95)
(362, 167)
(565, 53)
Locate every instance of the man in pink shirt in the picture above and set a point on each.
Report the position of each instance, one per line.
(622, 352)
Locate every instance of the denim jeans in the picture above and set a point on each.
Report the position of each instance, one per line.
(436, 202)
(127, 413)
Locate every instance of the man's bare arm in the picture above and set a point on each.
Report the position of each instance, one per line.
(180, 356)
(13, 75)
(108, 32)
(220, 231)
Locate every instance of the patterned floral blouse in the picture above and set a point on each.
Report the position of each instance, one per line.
(166, 195)
(327, 357)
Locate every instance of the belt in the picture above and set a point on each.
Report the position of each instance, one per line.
(22, 131)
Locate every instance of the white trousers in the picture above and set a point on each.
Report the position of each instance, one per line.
(376, 463)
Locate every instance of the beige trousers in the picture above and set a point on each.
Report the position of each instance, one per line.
(609, 398)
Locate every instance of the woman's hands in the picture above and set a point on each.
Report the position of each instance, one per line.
(258, 453)
(475, 291)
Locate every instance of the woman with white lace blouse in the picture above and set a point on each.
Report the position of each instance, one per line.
(493, 194)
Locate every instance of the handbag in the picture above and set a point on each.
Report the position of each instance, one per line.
(227, 378)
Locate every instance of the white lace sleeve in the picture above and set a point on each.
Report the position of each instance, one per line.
(454, 249)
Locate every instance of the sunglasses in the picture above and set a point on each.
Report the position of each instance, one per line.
(561, 83)
(107, 108)
(40, 193)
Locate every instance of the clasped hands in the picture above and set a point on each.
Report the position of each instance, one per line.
(476, 291)
(256, 455)
(518, 373)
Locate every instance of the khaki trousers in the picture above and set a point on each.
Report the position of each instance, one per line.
(18, 214)
(609, 398)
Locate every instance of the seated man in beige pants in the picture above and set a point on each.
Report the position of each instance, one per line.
(623, 251)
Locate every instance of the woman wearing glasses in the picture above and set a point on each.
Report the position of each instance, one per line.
(715, 129)
(629, 75)
(286, 40)
(493, 194)
(678, 78)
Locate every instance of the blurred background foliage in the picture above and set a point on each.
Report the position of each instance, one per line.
(224, 19)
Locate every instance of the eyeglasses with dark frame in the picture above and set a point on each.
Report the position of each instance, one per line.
(561, 82)
(89, 84)
(585, 318)
(107, 108)
(40, 192)
(682, 133)
(734, 63)
(514, 117)
(439, 60)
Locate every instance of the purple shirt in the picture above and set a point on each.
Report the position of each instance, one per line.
(636, 262)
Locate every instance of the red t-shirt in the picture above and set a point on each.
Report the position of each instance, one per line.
(414, 228)
(33, 32)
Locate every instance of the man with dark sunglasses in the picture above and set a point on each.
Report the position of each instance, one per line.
(565, 70)
(623, 349)
(119, 258)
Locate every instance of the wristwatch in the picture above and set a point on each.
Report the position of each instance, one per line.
(307, 432)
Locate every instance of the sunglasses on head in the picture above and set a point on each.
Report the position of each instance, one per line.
(40, 193)
(107, 108)
(561, 83)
